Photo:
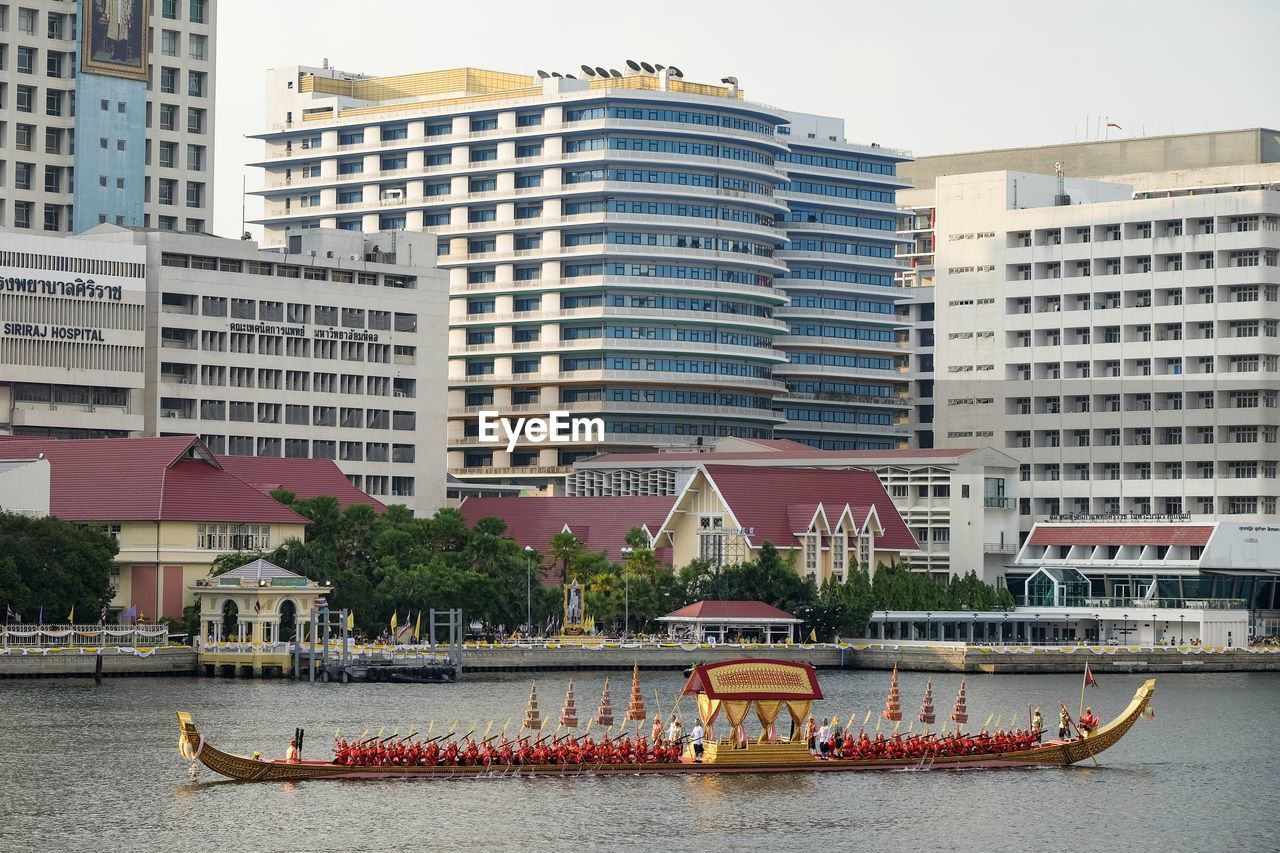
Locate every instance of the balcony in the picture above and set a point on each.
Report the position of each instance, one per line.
(997, 502)
(999, 548)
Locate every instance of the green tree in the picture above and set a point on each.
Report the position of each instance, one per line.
(54, 565)
(564, 546)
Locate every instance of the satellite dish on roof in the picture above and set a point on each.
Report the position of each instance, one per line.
(647, 67)
(675, 72)
(633, 65)
(731, 81)
(556, 74)
(657, 67)
(570, 77)
(544, 75)
(588, 70)
(601, 71)
(615, 72)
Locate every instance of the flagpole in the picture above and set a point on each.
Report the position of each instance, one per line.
(1084, 682)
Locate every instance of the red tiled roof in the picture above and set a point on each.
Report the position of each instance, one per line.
(1121, 534)
(781, 455)
(761, 498)
(600, 523)
(306, 478)
(144, 479)
(729, 610)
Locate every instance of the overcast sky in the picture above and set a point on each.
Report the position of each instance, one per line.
(931, 77)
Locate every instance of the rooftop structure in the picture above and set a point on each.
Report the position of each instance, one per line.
(1109, 157)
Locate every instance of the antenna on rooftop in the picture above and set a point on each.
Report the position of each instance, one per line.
(1061, 199)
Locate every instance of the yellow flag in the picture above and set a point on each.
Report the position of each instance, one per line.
(395, 615)
(351, 621)
(813, 635)
(71, 617)
(417, 625)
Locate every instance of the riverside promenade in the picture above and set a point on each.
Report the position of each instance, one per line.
(907, 655)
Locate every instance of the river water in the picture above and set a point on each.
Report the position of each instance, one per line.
(97, 768)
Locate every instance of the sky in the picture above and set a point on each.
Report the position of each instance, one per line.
(930, 77)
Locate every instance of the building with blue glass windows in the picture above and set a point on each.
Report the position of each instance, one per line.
(657, 253)
(847, 340)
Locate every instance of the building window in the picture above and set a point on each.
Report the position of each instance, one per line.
(168, 117)
(169, 43)
(197, 11)
(196, 46)
(168, 80)
(711, 539)
(195, 120)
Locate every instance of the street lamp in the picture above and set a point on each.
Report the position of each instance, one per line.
(1036, 630)
(626, 590)
(928, 625)
(1153, 630)
(1098, 618)
(885, 633)
(973, 636)
(1126, 628)
(528, 588)
(1182, 627)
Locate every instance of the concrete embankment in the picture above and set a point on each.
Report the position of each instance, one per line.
(62, 664)
(956, 657)
(504, 659)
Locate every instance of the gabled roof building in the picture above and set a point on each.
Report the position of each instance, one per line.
(173, 507)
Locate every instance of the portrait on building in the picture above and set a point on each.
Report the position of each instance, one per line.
(573, 610)
(114, 36)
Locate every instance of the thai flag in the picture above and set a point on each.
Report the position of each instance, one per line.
(9, 615)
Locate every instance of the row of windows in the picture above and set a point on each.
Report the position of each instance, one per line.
(804, 300)
(839, 247)
(830, 416)
(677, 271)
(847, 276)
(850, 333)
(844, 163)
(824, 390)
(848, 220)
(667, 146)
(865, 362)
(674, 116)
(858, 193)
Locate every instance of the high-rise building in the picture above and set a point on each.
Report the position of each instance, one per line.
(321, 352)
(847, 341)
(619, 246)
(1122, 346)
(107, 114)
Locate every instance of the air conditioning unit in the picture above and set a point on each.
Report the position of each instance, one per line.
(394, 194)
(305, 145)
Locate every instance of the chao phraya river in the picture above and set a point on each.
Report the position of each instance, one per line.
(97, 768)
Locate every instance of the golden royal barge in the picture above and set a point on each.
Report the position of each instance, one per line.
(733, 687)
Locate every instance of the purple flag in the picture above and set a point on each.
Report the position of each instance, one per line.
(131, 613)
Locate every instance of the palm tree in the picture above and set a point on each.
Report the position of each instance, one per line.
(564, 545)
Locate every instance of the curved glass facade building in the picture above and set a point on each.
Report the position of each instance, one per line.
(847, 338)
(618, 248)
